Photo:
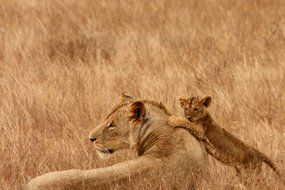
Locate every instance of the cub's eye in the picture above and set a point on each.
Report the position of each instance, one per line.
(186, 109)
(111, 126)
(195, 110)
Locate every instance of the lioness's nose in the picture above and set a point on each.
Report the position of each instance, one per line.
(92, 139)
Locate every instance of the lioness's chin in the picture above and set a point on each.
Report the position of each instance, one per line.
(105, 154)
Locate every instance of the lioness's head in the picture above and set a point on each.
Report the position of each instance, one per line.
(113, 133)
(195, 108)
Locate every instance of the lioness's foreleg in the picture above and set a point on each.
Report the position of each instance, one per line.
(96, 178)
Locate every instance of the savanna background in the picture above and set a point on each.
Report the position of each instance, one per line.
(63, 65)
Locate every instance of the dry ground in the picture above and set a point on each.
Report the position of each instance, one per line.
(64, 63)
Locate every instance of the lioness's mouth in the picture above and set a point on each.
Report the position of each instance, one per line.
(106, 151)
(111, 151)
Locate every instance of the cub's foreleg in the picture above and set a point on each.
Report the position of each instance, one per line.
(180, 122)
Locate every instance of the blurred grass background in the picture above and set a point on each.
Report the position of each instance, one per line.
(63, 65)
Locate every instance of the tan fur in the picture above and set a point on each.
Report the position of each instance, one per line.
(223, 145)
(164, 152)
(133, 137)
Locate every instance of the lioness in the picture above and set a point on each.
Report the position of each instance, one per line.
(166, 155)
(227, 148)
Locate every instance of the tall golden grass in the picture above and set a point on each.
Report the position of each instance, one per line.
(63, 65)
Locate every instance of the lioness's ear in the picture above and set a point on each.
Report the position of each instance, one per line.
(183, 101)
(125, 98)
(137, 111)
(206, 101)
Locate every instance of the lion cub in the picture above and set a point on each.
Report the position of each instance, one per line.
(223, 146)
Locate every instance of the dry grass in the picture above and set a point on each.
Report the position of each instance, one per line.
(64, 63)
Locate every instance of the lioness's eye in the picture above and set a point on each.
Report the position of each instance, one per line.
(195, 110)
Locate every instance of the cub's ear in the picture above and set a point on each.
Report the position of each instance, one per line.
(137, 111)
(126, 98)
(183, 101)
(206, 101)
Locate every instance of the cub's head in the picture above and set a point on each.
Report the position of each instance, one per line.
(113, 133)
(195, 108)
